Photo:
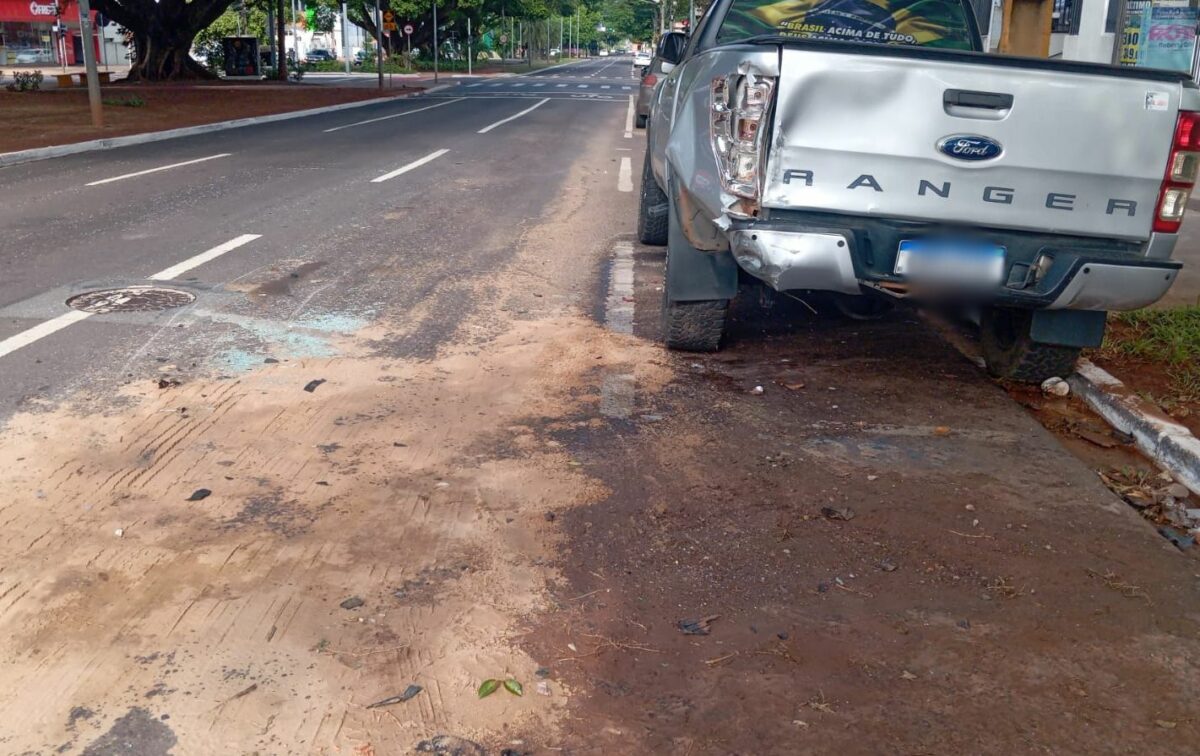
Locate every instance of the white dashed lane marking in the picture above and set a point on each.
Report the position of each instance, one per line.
(406, 168)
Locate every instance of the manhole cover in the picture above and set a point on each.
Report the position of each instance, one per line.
(130, 299)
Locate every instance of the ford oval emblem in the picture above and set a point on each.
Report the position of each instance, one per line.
(969, 147)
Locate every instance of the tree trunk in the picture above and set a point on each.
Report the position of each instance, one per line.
(281, 65)
(163, 32)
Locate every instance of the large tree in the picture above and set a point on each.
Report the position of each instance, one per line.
(163, 32)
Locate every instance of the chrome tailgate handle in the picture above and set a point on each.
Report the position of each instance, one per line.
(990, 106)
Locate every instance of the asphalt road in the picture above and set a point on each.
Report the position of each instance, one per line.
(310, 191)
(413, 430)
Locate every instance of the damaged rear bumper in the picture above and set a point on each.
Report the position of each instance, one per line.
(826, 252)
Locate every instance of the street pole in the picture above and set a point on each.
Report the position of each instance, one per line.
(468, 46)
(345, 39)
(379, 42)
(435, 43)
(89, 62)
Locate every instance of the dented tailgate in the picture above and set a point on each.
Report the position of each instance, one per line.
(1051, 151)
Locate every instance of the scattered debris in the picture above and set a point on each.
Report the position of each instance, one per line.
(543, 688)
(696, 627)
(542, 672)
(908, 675)
(1113, 581)
(1165, 724)
(887, 565)
(549, 516)
(199, 494)
(166, 383)
(1056, 387)
(410, 692)
(838, 513)
(491, 685)
(1181, 542)
(244, 692)
(1159, 499)
(757, 391)
(942, 430)
(312, 385)
(271, 361)
(352, 603)
(119, 532)
(451, 745)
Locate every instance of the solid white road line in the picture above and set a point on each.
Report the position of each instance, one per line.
(393, 115)
(160, 168)
(537, 105)
(629, 119)
(41, 331)
(625, 176)
(406, 168)
(192, 262)
(54, 325)
(560, 85)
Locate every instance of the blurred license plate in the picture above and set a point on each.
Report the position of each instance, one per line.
(949, 262)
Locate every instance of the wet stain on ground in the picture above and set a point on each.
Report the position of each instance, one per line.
(138, 733)
(282, 286)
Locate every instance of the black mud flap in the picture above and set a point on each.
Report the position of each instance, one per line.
(1072, 328)
(693, 275)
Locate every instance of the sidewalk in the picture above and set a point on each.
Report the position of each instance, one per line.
(50, 69)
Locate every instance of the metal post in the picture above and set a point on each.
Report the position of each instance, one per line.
(435, 43)
(560, 37)
(691, 15)
(345, 39)
(379, 43)
(468, 45)
(89, 63)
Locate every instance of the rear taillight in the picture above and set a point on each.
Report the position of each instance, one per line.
(1182, 167)
(739, 107)
(649, 80)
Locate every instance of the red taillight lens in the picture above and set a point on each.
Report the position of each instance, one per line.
(1187, 131)
(1183, 164)
(649, 80)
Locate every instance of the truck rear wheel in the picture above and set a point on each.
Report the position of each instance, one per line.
(652, 208)
(640, 121)
(1009, 352)
(694, 326)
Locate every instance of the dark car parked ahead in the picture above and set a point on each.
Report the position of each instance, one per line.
(672, 41)
(319, 56)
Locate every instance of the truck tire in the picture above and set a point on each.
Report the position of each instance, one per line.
(640, 121)
(1009, 352)
(695, 326)
(652, 209)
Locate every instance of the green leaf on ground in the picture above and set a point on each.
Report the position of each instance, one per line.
(489, 687)
(514, 687)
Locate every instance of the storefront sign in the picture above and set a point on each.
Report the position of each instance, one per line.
(1170, 38)
(1159, 35)
(37, 10)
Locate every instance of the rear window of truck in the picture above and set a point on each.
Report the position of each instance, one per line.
(917, 23)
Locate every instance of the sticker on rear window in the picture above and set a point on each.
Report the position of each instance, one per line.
(1157, 100)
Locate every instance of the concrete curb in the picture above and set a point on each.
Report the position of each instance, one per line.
(1171, 445)
(44, 153)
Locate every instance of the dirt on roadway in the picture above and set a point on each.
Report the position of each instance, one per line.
(879, 552)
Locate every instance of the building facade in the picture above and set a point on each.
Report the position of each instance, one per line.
(40, 33)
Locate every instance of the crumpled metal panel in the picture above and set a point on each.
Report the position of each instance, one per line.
(689, 152)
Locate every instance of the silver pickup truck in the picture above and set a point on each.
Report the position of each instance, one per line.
(869, 148)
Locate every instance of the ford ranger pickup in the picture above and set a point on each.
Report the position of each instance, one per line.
(870, 148)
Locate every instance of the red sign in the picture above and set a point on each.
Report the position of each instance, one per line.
(38, 11)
